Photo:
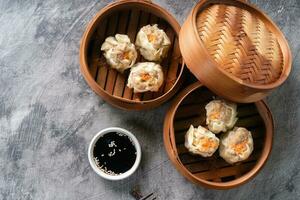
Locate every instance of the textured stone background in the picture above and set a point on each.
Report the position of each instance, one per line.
(48, 114)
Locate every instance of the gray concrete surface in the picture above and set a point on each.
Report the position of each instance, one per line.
(48, 114)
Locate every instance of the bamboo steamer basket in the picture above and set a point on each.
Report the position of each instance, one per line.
(234, 49)
(213, 172)
(127, 17)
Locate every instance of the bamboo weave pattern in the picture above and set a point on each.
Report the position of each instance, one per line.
(240, 43)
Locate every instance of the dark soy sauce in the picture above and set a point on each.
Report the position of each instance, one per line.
(114, 153)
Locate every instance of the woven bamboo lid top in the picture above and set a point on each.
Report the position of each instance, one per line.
(242, 43)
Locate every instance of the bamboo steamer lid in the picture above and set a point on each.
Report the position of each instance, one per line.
(235, 50)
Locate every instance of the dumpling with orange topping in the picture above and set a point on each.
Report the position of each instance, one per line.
(152, 42)
(145, 76)
(119, 52)
(201, 141)
(220, 115)
(236, 145)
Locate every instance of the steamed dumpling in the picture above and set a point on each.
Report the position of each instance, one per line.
(119, 52)
(152, 42)
(145, 76)
(236, 145)
(201, 141)
(220, 115)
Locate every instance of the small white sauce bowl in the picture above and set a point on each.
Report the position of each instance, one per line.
(125, 174)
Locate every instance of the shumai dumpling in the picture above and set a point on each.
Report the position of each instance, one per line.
(145, 76)
(152, 42)
(236, 145)
(220, 115)
(119, 52)
(201, 141)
